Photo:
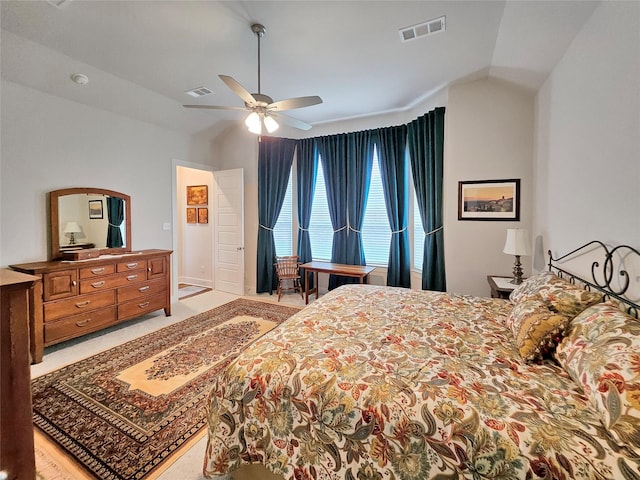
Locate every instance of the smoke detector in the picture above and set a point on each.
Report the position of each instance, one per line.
(80, 78)
(435, 25)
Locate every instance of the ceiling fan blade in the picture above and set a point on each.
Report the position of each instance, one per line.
(238, 89)
(214, 107)
(291, 103)
(293, 122)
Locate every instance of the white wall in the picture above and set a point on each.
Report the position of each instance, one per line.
(587, 164)
(50, 143)
(488, 135)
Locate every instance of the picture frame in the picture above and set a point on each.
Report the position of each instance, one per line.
(192, 215)
(203, 215)
(495, 200)
(95, 209)
(197, 195)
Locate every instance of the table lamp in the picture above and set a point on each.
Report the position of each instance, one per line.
(72, 228)
(517, 244)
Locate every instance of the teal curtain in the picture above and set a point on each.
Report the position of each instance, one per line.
(426, 143)
(275, 157)
(391, 144)
(333, 155)
(307, 171)
(359, 160)
(115, 216)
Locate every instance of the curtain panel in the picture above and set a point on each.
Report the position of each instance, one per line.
(426, 145)
(307, 171)
(275, 157)
(333, 155)
(115, 217)
(391, 144)
(359, 161)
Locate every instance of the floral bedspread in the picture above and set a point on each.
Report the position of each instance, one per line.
(374, 383)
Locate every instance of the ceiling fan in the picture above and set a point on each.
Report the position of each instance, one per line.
(262, 107)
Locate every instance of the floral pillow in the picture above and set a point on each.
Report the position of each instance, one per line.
(601, 352)
(558, 294)
(535, 328)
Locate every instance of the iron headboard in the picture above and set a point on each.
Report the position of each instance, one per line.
(609, 264)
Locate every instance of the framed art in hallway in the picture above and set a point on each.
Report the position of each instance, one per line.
(203, 215)
(197, 195)
(489, 200)
(191, 215)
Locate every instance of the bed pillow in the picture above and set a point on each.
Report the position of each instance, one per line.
(535, 328)
(559, 295)
(601, 352)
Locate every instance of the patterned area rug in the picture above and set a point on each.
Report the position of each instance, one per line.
(123, 412)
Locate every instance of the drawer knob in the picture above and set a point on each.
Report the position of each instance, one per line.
(143, 289)
(143, 305)
(96, 271)
(132, 265)
(82, 323)
(73, 283)
(132, 277)
(149, 269)
(98, 284)
(83, 304)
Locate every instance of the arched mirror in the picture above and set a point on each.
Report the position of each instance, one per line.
(89, 218)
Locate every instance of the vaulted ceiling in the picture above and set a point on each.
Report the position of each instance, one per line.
(141, 56)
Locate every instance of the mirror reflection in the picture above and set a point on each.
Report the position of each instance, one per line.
(91, 221)
(89, 218)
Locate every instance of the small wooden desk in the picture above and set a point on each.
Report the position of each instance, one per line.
(359, 271)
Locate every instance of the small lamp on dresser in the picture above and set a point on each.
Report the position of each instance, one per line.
(72, 228)
(517, 244)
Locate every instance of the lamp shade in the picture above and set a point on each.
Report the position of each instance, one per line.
(271, 124)
(72, 227)
(517, 242)
(253, 123)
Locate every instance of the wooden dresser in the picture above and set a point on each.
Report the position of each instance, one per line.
(17, 461)
(79, 297)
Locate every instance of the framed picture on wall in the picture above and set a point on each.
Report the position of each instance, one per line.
(191, 215)
(489, 200)
(95, 209)
(197, 195)
(203, 215)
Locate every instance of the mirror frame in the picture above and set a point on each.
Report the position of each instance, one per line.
(54, 217)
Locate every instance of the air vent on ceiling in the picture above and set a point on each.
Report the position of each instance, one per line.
(198, 92)
(429, 27)
(59, 3)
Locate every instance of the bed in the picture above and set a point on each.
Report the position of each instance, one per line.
(374, 383)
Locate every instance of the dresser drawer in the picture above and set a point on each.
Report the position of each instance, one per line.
(78, 304)
(144, 305)
(108, 282)
(131, 266)
(92, 272)
(76, 325)
(138, 291)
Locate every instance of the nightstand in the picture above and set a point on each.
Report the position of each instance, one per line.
(501, 287)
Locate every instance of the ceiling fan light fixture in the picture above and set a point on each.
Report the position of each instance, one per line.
(253, 123)
(271, 124)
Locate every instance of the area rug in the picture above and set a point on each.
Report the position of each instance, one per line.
(124, 412)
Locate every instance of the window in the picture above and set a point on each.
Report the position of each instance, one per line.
(376, 232)
(418, 234)
(282, 232)
(320, 228)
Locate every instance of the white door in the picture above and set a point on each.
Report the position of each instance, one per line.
(228, 246)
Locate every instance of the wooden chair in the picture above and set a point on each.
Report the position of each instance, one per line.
(288, 271)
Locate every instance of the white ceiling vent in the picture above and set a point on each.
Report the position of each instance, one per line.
(198, 92)
(423, 29)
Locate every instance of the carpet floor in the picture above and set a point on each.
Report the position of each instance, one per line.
(124, 413)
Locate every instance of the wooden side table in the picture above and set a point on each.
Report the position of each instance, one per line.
(501, 287)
